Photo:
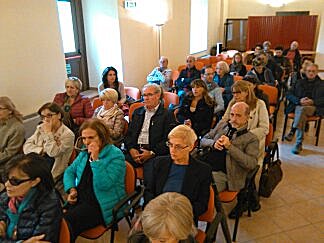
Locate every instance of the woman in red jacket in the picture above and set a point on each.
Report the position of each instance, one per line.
(76, 107)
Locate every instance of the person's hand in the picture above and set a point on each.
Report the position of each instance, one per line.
(72, 197)
(308, 101)
(226, 142)
(222, 89)
(145, 155)
(219, 144)
(188, 122)
(3, 229)
(47, 126)
(135, 155)
(36, 239)
(94, 149)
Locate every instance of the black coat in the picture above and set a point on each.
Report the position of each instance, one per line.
(201, 118)
(43, 215)
(187, 75)
(196, 183)
(161, 124)
(297, 59)
(297, 92)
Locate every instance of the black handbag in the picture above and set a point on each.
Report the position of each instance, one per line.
(271, 173)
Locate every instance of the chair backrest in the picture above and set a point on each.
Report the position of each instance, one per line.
(130, 178)
(228, 60)
(73, 156)
(133, 107)
(213, 59)
(199, 65)
(209, 215)
(269, 136)
(205, 61)
(175, 75)
(181, 67)
(64, 232)
(125, 127)
(271, 92)
(96, 103)
(237, 78)
(170, 98)
(133, 92)
(248, 67)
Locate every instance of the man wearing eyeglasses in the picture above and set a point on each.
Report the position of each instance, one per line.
(232, 151)
(148, 130)
(306, 98)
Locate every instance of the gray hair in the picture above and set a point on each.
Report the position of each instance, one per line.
(75, 82)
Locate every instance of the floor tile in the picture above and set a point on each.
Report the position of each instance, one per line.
(306, 234)
(276, 238)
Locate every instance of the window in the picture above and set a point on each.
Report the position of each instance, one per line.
(198, 26)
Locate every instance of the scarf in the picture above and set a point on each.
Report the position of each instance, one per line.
(15, 207)
(107, 114)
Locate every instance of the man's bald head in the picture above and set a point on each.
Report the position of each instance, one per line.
(239, 115)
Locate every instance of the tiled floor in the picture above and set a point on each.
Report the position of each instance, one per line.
(295, 210)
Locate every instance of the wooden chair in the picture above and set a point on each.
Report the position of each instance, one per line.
(170, 98)
(126, 205)
(237, 78)
(64, 232)
(133, 92)
(248, 67)
(230, 196)
(199, 65)
(316, 119)
(133, 107)
(181, 67)
(272, 93)
(96, 103)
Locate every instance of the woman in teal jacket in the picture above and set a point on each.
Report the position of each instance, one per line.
(95, 180)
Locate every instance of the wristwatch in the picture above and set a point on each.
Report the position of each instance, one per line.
(152, 153)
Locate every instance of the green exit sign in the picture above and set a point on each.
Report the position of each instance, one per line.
(68, 69)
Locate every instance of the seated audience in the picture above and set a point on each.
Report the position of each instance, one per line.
(197, 108)
(258, 122)
(166, 218)
(237, 67)
(258, 92)
(282, 61)
(301, 74)
(261, 72)
(207, 74)
(266, 48)
(161, 75)
(111, 115)
(306, 98)
(233, 152)
(179, 172)
(76, 107)
(95, 181)
(293, 56)
(257, 50)
(12, 131)
(29, 209)
(186, 75)
(224, 80)
(148, 130)
(52, 139)
(274, 67)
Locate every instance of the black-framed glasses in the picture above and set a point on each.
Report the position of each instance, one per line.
(176, 147)
(49, 116)
(14, 181)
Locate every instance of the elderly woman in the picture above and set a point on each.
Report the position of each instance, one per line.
(110, 80)
(52, 139)
(293, 55)
(224, 80)
(11, 130)
(95, 181)
(76, 107)
(261, 72)
(111, 115)
(197, 108)
(179, 172)
(237, 67)
(167, 218)
(29, 210)
(258, 123)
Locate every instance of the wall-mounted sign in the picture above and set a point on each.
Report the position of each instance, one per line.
(68, 68)
(129, 4)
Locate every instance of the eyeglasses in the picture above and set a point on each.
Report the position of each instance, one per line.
(236, 92)
(79, 145)
(149, 94)
(49, 116)
(311, 71)
(176, 147)
(15, 182)
(3, 108)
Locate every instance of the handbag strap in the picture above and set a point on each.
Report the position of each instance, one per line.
(272, 152)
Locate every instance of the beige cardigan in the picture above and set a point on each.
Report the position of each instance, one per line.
(258, 124)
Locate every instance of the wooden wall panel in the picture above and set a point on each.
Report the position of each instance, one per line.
(282, 30)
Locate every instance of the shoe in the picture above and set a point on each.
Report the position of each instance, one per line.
(256, 207)
(232, 214)
(297, 148)
(289, 137)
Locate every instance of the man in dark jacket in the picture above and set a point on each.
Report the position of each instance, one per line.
(306, 98)
(148, 131)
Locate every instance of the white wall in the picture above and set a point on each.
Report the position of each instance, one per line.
(32, 66)
(101, 26)
(245, 8)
